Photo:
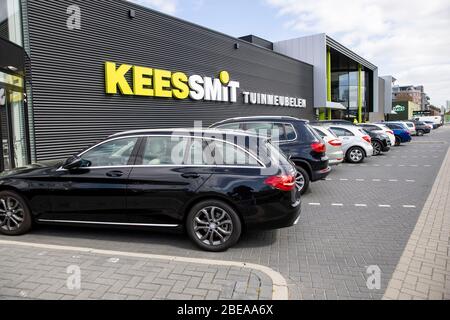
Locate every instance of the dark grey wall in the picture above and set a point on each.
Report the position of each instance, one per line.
(71, 109)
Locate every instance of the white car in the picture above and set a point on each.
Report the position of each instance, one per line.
(412, 127)
(380, 128)
(356, 143)
(437, 120)
(334, 145)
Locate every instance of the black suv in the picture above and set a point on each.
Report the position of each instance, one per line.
(380, 141)
(297, 139)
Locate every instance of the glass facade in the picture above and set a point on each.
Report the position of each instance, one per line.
(11, 21)
(346, 79)
(13, 107)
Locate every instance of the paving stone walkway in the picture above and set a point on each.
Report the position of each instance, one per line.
(423, 271)
(31, 273)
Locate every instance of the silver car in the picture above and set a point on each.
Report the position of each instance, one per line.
(334, 145)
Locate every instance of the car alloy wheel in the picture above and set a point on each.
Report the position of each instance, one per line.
(356, 155)
(420, 133)
(376, 148)
(300, 181)
(12, 214)
(213, 226)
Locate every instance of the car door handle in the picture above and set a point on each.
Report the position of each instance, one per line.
(115, 174)
(190, 175)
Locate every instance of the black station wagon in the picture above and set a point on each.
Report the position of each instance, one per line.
(211, 183)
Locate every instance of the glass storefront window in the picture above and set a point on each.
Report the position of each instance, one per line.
(13, 128)
(11, 21)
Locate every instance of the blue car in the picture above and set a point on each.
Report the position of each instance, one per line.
(402, 135)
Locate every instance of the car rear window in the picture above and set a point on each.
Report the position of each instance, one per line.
(308, 134)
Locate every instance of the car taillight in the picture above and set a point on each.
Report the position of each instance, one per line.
(283, 183)
(368, 139)
(319, 147)
(335, 143)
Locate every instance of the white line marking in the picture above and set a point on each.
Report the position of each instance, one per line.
(343, 179)
(337, 204)
(427, 165)
(360, 180)
(408, 206)
(376, 180)
(314, 204)
(279, 283)
(393, 180)
(410, 180)
(360, 205)
(384, 206)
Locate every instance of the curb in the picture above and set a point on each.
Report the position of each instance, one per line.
(280, 289)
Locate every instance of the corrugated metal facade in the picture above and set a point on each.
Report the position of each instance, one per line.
(71, 108)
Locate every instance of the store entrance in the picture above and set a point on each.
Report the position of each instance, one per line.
(12, 128)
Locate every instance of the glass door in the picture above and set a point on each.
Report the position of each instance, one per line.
(5, 155)
(13, 134)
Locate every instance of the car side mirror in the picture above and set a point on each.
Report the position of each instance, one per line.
(72, 163)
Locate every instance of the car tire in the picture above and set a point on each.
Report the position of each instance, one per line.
(420, 133)
(15, 215)
(398, 141)
(302, 180)
(355, 155)
(377, 148)
(217, 218)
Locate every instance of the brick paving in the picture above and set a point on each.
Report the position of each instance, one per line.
(30, 273)
(424, 268)
(327, 254)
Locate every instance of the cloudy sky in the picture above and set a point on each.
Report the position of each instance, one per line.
(409, 39)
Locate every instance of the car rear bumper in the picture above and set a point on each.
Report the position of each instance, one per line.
(336, 158)
(276, 218)
(320, 174)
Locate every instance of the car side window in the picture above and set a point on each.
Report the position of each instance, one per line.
(290, 132)
(394, 126)
(370, 128)
(222, 153)
(341, 132)
(268, 129)
(166, 150)
(112, 153)
(320, 132)
(230, 126)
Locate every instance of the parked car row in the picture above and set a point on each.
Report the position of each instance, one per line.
(212, 183)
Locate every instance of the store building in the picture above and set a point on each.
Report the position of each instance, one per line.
(345, 84)
(73, 72)
(385, 93)
(415, 94)
(403, 110)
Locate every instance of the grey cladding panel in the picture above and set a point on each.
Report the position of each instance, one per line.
(71, 109)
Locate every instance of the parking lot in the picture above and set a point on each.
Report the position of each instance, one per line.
(362, 215)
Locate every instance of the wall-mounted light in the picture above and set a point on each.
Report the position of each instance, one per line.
(132, 13)
(12, 68)
(237, 46)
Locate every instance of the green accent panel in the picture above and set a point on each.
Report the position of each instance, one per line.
(329, 113)
(329, 75)
(322, 114)
(360, 102)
